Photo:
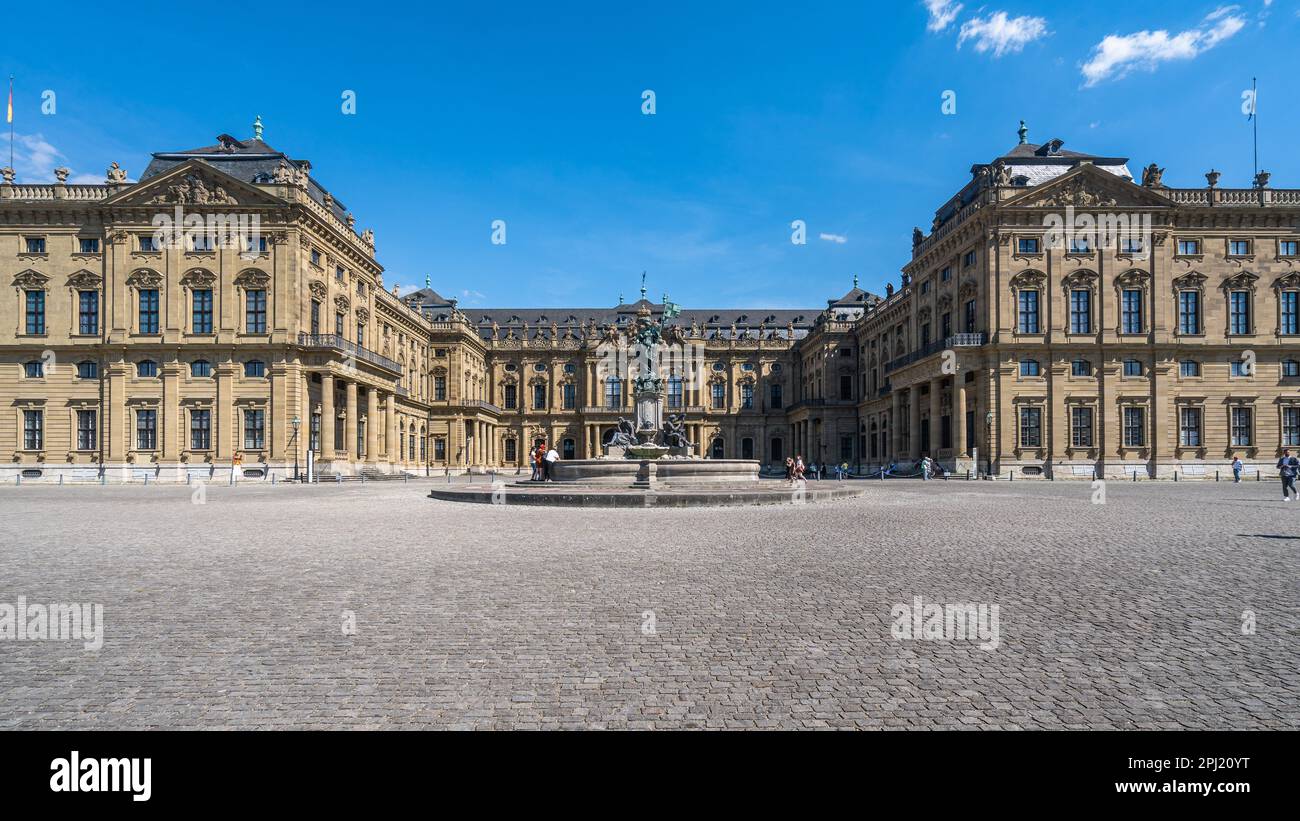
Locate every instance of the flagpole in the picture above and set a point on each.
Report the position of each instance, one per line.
(1254, 109)
(10, 112)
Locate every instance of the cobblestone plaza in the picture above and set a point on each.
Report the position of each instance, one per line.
(372, 606)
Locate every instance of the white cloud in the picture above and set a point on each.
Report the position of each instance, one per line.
(838, 239)
(1116, 55)
(942, 13)
(35, 160)
(1001, 34)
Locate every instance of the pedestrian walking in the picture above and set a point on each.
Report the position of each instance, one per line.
(552, 456)
(1236, 469)
(1288, 467)
(798, 467)
(812, 468)
(789, 470)
(925, 468)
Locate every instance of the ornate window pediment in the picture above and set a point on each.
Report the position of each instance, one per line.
(320, 290)
(85, 280)
(1289, 281)
(198, 277)
(1192, 280)
(145, 278)
(969, 288)
(252, 278)
(1133, 277)
(1082, 278)
(1245, 281)
(363, 315)
(1026, 280)
(341, 302)
(30, 279)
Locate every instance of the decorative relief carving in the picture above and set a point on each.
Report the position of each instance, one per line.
(30, 279)
(318, 289)
(252, 278)
(195, 189)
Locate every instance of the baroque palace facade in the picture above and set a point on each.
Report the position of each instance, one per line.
(263, 331)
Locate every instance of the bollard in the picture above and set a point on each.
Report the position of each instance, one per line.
(1135, 476)
(406, 478)
(968, 475)
(1216, 476)
(60, 478)
(188, 477)
(146, 480)
(273, 478)
(1011, 475)
(18, 478)
(1175, 476)
(1256, 474)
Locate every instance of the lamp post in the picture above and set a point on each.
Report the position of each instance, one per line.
(296, 422)
(988, 442)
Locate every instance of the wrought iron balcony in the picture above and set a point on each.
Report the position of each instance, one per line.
(338, 343)
(932, 348)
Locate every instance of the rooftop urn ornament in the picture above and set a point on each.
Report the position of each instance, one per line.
(7, 174)
(1023, 131)
(1212, 177)
(257, 128)
(61, 174)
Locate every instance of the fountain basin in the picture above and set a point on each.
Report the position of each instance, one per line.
(670, 472)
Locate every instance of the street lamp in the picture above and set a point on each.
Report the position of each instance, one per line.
(988, 442)
(296, 422)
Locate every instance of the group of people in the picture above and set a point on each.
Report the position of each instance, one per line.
(543, 459)
(1288, 468)
(797, 471)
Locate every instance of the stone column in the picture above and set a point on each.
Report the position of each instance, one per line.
(372, 425)
(936, 414)
(172, 417)
(895, 415)
(327, 416)
(350, 424)
(115, 419)
(914, 426)
(390, 430)
(959, 415)
(223, 437)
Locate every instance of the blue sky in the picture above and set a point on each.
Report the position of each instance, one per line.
(765, 113)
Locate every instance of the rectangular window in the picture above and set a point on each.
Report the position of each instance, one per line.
(200, 241)
(148, 300)
(440, 388)
(1189, 312)
(945, 325)
(1029, 367)
(200, 429)
(87, 429)
(35, 245)
(1239, 247)
(1135, 435)
(1027, 245)
(254, 418)
(146, 429)
(1028, 323)
(1189, 427)
(1132, 367)
(1189, 247)
(674, 392)
(1131, 310)
(1080, 311)
(88, 245)
(1130, 245)
(1290, 303)
(338, 325)
(1288, 248)
(361, 335)
(570, 396)
(511, 396)
(539, 397)
(1189, 368)
(338, 272)
(946, 274)
(719, 395)
(1080, 245)
(87, 312)
(201, 311)
(1239, 369)
(313, 438)
(1080, 367)
(1291, 426)
(35, 312)
(776, 397)
(1239, 312)
(925, 334)
(255, 311)
(1242, 427)
(88, 370)
(613, 393)
(970, 317)
(33, 429)
(969, 259)
(315, 257)
(145, 243)
(1081, 427)
(315, 317)
(747, 395)
(1031, 427)
(34, 369)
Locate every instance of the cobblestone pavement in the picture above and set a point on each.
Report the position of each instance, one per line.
(1127, 614)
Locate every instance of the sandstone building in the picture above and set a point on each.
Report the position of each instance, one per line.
(226, 308)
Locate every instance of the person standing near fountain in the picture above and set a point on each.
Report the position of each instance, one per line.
(548, 464)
